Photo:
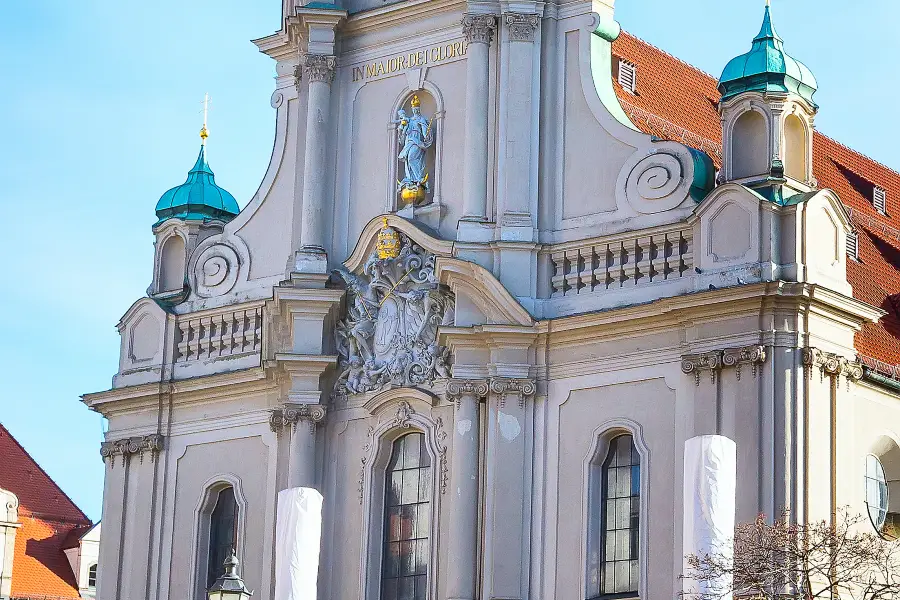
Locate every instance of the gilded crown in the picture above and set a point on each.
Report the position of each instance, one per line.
(388, 241)
(415, 101)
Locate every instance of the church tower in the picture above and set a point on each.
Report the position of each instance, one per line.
(767, 113)
(187, 214)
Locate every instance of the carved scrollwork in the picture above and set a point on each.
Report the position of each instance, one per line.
(657, 181)
(521, 26)
(277, 99)
(716, 360)
(478, 29)
(503, 387)
(216, 271)
(461, 387)
(831, 365)
(130, 446)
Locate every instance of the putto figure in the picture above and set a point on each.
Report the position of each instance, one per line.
(415, 135)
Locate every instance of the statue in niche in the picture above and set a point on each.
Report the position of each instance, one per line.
(416, 136)
(388, 336)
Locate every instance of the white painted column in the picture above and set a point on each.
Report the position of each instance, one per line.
(303, 420)
(478, 30)
(462, 545)
(319, 72)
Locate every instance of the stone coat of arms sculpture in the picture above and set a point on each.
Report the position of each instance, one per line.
(388, 337)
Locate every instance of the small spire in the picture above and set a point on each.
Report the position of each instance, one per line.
(204, 132)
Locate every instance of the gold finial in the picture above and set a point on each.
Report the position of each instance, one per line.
(388, 241)
(768, 3)
(415, 101)
(204, 132)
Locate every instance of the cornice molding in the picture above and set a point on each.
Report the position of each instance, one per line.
(130, 446)
(717, 360)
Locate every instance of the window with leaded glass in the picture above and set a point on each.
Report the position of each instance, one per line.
(407, 520)
(615, 560)
(876, 492)
(222, 534)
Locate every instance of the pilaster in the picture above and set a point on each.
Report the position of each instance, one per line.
(302, 421)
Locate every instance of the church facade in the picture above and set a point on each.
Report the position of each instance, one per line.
(498, 271)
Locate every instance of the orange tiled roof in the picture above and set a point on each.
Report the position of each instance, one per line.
(48, 517)
(676, 101)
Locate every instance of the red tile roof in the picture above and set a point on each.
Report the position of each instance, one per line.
(676, 101)
(48, 517)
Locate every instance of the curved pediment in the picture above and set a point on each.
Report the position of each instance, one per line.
(475, 284)
(368, 238)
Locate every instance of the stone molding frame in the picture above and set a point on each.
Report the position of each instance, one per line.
(130, 446)
(200, 535)
(832, 365)
(593, 463)
(717, 360)
(521, 26)
(479, 28)
(376, 454)
(294, 414)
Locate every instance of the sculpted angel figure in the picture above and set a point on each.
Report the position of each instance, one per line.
(416, 136)
(362, 314)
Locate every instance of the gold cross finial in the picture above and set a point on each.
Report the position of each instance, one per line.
(204, 132)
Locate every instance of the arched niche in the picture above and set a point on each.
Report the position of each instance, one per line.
(171, 264)
(796, 148)
(750, 155)
(432, 108)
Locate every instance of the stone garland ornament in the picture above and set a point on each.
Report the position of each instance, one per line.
(216, 271)
(130, 446)
(388, 337)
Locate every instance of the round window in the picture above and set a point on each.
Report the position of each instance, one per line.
(876, 492)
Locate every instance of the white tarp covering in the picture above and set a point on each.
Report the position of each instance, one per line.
(298, 533)
(710, 488)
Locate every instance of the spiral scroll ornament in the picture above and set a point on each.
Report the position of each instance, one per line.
(658, 181)
(216, 271)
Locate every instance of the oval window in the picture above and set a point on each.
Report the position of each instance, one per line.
(876, 492)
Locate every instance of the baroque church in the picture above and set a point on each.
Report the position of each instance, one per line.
(505, 260)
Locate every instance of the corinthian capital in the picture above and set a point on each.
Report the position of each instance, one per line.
(521, 27)
(292, 414)
(130, 446)
(504, 387)
(478, 29)
(317, 67)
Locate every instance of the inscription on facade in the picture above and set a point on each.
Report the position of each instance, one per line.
(420, 58)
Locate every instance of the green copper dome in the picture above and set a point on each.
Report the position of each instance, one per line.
(197, 198)
(767, 68)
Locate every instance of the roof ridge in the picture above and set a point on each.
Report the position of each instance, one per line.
(672, 56)
(47, 475)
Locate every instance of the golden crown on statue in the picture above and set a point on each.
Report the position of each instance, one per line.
(388, 241)
(415, 101)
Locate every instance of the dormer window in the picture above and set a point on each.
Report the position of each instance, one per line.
(853, 245)
(628, 76)
(879, 200)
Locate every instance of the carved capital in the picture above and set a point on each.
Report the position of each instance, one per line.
(316, 67)
(717, 360)
(292, 414)
(831, 364)
(478, 29)
(466, 387)
(136, 445)
(521, 27)
(506, 386)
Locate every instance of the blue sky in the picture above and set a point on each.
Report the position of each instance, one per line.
(99, 114)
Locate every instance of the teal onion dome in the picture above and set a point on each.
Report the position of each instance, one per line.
(197, 198)
(767, 68)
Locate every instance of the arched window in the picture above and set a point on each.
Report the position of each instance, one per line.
(795, 148)
(614, 522)
(407, 520)
(171, 265)
(92, 576)
(882, 481)
(222, 533)
(749, 146)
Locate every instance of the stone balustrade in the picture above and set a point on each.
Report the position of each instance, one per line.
(210, 335)
(624, 261)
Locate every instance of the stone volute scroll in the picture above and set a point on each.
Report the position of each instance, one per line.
(479, 29)
(388, 336)
(457, 388)
(294, 415)
(521, 388)
(131, 446)
(831, 365)
(715, 361)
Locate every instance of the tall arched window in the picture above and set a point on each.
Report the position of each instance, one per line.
(614, 504)
(750, 146)
(171, 265)
(407, 520)
(222, 533)
(795, 148)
